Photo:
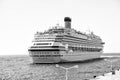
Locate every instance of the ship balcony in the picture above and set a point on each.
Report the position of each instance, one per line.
(47, 48)
(44, 54)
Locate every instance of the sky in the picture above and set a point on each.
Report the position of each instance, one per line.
(20, 19)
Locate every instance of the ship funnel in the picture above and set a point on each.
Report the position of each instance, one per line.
(67, 21)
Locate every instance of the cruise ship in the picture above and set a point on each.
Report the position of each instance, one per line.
(65, 44)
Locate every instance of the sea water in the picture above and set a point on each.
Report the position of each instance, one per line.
(20, 67)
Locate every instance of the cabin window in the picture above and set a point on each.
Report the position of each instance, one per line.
(35, 55)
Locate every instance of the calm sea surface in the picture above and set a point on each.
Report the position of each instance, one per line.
(20, 67)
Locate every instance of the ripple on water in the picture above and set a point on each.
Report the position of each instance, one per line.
(21, 68)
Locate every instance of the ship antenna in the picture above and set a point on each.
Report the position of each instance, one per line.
(58, 25)
(89, 31)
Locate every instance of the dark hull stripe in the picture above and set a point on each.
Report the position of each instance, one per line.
(47, 47)
(45, 50)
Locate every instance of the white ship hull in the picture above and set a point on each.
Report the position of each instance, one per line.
(74, 57)
(46, 60)
(80, 56)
